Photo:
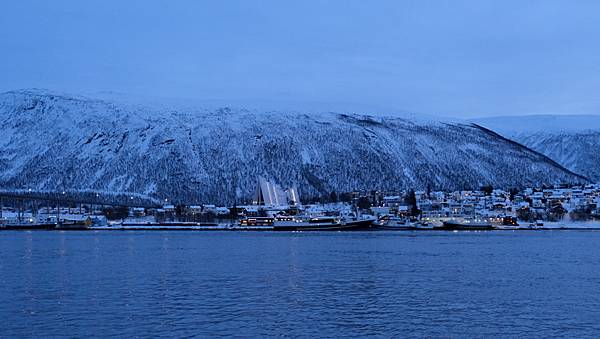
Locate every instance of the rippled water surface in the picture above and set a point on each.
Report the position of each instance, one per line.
(114, 283)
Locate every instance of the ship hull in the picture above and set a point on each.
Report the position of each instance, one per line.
(455, 226)
(29, 227)
(395, 228)
(360, 225)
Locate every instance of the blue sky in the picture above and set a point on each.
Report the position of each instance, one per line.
(452, 58)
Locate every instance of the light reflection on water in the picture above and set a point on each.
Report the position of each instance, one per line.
(299, 284)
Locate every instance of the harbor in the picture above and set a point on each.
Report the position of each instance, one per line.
(280, 221)
(276, 209)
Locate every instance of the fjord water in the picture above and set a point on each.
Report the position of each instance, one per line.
(113, 283)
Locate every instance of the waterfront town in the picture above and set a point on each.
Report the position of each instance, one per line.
(483, 209)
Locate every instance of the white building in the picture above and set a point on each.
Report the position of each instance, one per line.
(271, 194)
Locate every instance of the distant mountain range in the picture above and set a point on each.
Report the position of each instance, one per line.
(571, 140)
(190, 154)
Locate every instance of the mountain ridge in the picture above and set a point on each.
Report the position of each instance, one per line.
(572, 141)
(201, 155)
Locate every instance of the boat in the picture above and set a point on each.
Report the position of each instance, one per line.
(300, 223)
(423, 225)
(74, 225)
(28, 226)
(467, 225)
(510, 221)
(508, 224)
(257, 222)
(323, 224)
(538, 224)
(391, 223)
(165, 225)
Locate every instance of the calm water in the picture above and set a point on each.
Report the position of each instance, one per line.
(534, 284)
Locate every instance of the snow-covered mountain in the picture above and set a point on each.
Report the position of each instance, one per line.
(571, 140)
(54, 141)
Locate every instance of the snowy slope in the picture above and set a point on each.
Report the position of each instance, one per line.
(530, 124)
(56, 141)
(573, 141)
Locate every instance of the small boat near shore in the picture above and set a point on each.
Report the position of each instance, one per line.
(401, 224)
(390, 223)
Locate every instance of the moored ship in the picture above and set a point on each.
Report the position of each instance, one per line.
(390, 223)
(28, 226)
(298, 223)
(467, 225)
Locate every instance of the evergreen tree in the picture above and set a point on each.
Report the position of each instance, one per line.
(346, 197)
(363, 203)
(411, 201)
(487, 189)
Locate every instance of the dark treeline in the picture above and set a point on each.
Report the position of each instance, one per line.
(67, 198)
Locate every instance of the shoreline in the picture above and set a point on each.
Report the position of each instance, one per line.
(270, 229)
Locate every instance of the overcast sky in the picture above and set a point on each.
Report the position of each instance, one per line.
(451, 58)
